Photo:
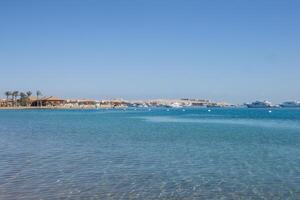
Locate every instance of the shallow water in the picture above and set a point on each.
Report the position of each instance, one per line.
(157, 154)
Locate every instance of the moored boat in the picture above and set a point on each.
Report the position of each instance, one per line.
(290, 104)
(259, 104)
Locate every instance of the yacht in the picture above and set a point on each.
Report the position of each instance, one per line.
(176, 105)
(259, 104)
(290, 104)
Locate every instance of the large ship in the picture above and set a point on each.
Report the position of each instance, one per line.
(290, 104)
(259, 104)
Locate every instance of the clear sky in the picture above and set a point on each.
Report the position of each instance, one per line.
(233, 50)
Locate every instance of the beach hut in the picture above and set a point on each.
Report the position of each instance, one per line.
(48, 101)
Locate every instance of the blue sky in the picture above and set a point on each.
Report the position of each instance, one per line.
(234, 50)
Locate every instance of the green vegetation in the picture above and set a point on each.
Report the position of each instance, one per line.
(16, 98)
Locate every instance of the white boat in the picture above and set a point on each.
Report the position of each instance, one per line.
(259, 104)
(290, 104)
(176, 105)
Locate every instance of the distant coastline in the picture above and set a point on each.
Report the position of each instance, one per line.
(25, 100)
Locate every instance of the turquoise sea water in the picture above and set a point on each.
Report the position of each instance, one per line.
(156, 154)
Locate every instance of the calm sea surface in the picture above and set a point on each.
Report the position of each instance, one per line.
(156, 154)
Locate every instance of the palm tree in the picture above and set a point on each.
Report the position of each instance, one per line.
(23, 95)
(7, 94)
(15, 94)
(38, 93)
(29, 93)
(23, 98)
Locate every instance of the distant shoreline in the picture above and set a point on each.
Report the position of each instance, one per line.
(122, 108)
(50, 108)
